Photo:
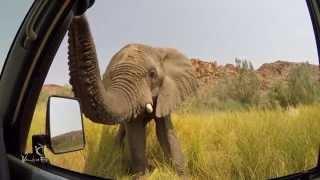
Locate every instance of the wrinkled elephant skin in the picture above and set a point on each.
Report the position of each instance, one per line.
(140, 83)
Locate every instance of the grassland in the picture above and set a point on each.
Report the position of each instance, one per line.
(248, 144)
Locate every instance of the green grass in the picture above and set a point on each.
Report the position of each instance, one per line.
(251, 144)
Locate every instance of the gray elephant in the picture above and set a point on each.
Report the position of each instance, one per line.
(141, 83)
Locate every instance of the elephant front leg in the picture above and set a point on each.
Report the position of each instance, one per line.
(136, 134)
(169, 143)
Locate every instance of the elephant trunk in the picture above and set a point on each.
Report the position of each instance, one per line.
(98, 104)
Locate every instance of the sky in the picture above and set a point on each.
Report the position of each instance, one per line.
(11, 16)
(212, 30)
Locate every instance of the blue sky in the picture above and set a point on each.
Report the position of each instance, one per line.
(213, 30)
(11, 16)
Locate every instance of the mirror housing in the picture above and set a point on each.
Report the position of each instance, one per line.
(64, 125)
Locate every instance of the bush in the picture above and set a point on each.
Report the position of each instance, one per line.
(243, 91)
(302, 87)
(231, 93)
(279, 94)
(244, 87)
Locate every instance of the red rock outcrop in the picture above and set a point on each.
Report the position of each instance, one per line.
(208, 73)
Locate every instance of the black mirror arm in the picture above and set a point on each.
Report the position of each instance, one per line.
(38, 141)
(37, 156)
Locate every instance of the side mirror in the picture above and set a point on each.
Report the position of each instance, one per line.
(64, 125)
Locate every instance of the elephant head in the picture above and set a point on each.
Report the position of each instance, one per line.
(139, 78)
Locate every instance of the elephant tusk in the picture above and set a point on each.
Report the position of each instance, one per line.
(149, 108)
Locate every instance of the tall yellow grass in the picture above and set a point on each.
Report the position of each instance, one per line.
(253, 144)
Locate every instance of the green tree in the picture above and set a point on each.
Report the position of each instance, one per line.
(303, 85)
(245, 86)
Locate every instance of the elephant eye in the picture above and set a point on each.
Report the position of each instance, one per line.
(152, 74)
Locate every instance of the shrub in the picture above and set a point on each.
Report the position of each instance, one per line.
(243, 91)
(230, 93)
(302, 87)
(279, 94)
(244, 87)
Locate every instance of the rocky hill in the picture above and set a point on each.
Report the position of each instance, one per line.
(278, 70)
(54, 89)
(208, 73)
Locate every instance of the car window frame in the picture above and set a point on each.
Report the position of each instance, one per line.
(317, 38)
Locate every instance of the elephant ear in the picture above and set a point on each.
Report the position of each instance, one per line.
(179, 82)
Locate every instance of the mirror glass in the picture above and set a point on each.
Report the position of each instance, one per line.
(65, 125)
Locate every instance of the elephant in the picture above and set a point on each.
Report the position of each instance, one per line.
(141, 83)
